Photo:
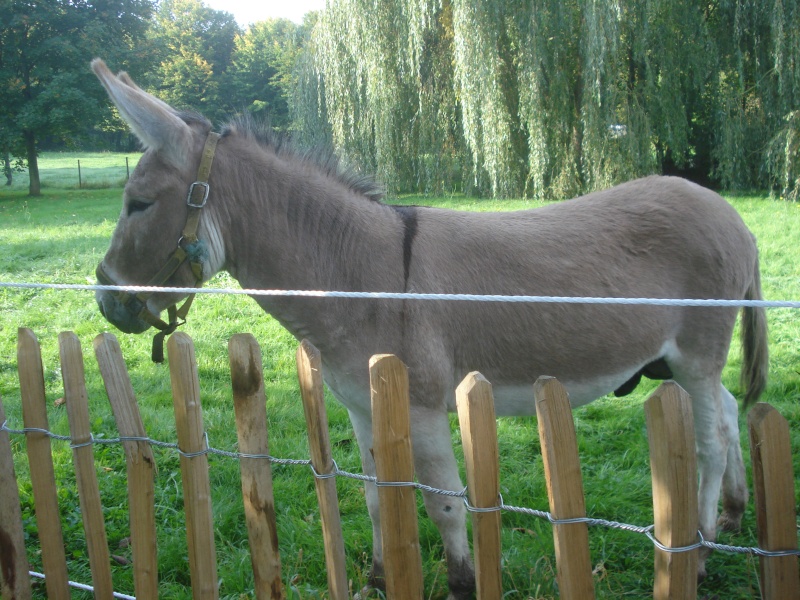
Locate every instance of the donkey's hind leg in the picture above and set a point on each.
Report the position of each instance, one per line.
(734, 484)
(712, 443)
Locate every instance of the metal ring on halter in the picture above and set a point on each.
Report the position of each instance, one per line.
(206, 190)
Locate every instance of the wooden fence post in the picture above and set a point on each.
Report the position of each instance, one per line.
(40, 459)
(249, 403)
(77, 402)
(309, 374)
(773, 486)
(194, 466)
(15, 584)
(564, 488)
(476, 416)
(139, 461)
(673, 462)
(394, 463)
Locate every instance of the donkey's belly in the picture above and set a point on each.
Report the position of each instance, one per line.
(518, 400)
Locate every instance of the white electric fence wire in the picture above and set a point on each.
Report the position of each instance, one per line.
(410, 296)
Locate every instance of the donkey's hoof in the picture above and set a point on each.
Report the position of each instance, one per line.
(461, 579)
(368, 593)
(729, 522)
(376, 585)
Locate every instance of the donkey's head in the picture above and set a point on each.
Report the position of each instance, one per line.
(154, 242)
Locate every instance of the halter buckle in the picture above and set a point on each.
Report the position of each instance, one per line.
(202, 202)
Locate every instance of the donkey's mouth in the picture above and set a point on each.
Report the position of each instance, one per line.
(118, 314)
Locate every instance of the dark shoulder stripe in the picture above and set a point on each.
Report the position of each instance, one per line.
(408, 214)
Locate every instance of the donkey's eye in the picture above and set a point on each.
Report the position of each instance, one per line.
(135, 206)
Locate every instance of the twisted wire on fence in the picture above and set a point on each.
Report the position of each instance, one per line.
(337, 472)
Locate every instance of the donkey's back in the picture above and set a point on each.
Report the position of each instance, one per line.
(658, 237)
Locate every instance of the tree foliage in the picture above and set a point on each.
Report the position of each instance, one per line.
(46, 88)
(206, 63)
(557, 97)
(262, 69)
(388, 90)
(193, 45)
(537, 98)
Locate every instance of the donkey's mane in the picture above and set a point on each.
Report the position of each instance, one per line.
(324, 159)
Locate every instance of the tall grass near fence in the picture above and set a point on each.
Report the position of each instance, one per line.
(61, 236)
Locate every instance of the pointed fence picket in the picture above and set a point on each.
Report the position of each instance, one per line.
(482, 461)
(14, 582)
(139, 461)
(77, 402)
(309, 375)
(564, 489)
(250, 406)
(670, 431)
(40, 459)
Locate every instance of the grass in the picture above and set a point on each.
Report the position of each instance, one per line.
(61, 236)
(98, 170)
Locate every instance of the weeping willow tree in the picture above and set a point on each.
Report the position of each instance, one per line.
(487, 85)
(552, 98)
(388, 91)
(608, 90)
(783, 153)
(758, 89)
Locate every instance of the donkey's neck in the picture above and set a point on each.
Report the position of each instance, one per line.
(293, 226)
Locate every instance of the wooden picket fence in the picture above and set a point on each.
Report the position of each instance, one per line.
(669, 424)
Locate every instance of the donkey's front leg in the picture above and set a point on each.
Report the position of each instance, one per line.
(362, 426)
(436, 467)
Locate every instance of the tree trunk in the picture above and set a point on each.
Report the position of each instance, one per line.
(7, 168)
(35, 187)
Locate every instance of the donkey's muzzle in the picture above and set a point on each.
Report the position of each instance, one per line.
(120, 315)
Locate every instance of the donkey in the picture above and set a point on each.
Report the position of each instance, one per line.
(275, 218)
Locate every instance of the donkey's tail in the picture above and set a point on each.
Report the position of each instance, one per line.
(755, 357)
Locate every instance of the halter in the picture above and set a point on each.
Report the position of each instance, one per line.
(189, 249)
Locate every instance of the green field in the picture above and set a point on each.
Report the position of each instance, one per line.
(60, 170)
(61, 236)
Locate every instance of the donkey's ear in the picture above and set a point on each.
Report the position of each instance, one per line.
(153, 121)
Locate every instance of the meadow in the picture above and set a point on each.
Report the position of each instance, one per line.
(80, 170)
(61, 236)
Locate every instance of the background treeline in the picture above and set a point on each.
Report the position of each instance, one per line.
(537, 98)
